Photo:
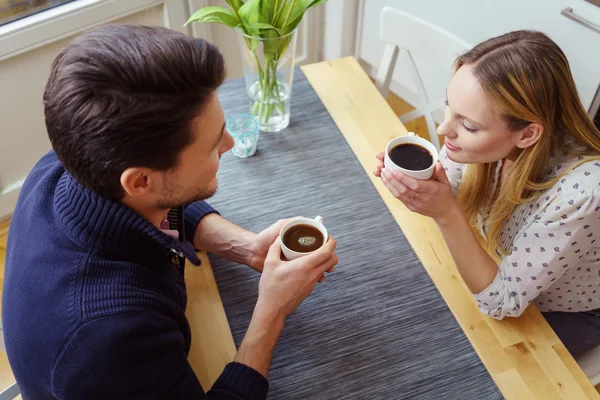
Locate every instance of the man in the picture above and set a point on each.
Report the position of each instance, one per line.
(94, 297)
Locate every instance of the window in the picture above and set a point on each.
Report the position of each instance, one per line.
(12, 10)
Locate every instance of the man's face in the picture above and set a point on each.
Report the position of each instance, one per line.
(195, 175)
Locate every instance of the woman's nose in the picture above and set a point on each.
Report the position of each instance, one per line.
(445, 129)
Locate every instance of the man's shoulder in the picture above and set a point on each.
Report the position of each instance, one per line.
(49, 163)
(42, 179)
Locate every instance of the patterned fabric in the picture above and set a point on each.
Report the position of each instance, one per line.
(554, 257)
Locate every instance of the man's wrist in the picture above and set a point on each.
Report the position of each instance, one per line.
(248, 247)
(216, 235)
(256, 350)
(266, 315)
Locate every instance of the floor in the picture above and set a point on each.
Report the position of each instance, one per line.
(6, 378)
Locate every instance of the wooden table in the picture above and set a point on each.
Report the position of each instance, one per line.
(523, 356)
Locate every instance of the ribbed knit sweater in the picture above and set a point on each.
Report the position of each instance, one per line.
(94, 299)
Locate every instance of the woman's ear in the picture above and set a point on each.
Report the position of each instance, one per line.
(529, 136)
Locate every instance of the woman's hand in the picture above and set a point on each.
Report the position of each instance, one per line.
(379, 166)
(432, 198)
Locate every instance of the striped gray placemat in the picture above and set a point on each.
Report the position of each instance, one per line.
(377, 328)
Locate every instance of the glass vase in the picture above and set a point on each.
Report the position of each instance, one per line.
(269, 71)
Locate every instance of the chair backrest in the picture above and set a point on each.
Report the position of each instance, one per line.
(403, 31)
(421, 37)
(12, 392)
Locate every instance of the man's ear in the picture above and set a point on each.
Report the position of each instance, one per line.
(137, 181)
(529, 136)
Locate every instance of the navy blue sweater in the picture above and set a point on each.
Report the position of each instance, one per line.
(93, 300)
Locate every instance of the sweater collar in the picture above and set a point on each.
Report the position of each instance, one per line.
(112, 228)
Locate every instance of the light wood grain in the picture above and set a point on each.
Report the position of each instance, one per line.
(212, 343)
(6, 375)
(523, 356)
(4, 233)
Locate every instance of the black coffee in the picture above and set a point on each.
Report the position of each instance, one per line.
(411, 156)
(303, 238)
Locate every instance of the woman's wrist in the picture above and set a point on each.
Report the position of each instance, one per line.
(452, 215)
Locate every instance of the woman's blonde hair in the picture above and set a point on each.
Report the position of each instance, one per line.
(528, 78)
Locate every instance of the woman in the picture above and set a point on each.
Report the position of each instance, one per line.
(516, 194)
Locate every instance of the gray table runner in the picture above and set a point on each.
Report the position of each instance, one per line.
(377, 328)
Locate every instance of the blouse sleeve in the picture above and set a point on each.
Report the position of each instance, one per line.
(454, 171)
(555, 242)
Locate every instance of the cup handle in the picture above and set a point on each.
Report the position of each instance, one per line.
(411, 134)
(319, 219)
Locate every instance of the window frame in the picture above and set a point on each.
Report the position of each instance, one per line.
(69, 19)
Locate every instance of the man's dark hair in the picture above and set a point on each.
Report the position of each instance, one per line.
(122, 96)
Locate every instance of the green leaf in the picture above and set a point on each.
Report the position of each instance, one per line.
(285, 10)
(251, 11)
(271, 47)
(283, 45)
(214, 14)
(235, 4)
(278, 8)
(293, 10)
(267, 9)
(264, 25)
(297, 13)
(252, 44)
(292, 25)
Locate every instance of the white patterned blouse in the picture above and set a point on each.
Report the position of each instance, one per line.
(554, 245)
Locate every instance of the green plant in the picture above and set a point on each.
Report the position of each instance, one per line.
(262, 19)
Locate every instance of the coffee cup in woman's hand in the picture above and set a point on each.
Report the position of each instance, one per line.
(411, 155)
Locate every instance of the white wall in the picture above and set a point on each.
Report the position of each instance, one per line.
(339, 28)
(477, 20)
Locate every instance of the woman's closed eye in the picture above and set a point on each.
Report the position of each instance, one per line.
(464, 122)
(467, 125)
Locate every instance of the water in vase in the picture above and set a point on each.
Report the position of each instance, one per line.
(271, 107)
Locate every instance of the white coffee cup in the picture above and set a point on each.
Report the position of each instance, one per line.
(317, 222)
(423, 174)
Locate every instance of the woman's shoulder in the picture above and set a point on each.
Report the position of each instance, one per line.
(580, 176)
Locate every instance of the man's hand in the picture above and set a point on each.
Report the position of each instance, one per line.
(216, 235)
(285, 284)
(262, 243)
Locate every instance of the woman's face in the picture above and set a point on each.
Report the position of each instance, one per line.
(474, 129)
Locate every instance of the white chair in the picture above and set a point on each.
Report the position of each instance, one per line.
(13, 390)
(401, 30)
(590, 364)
